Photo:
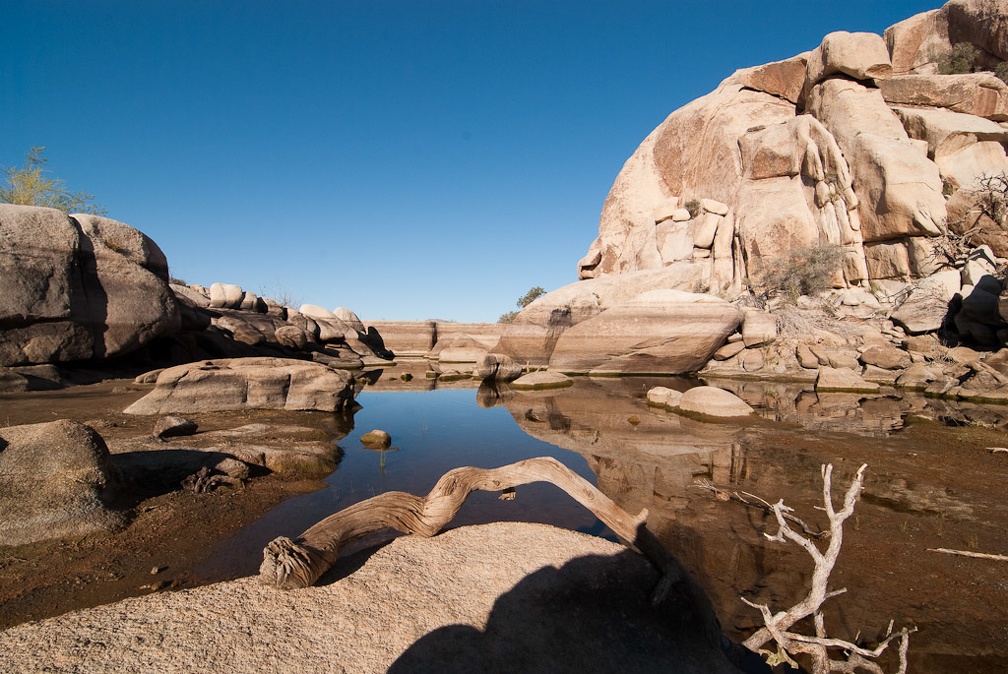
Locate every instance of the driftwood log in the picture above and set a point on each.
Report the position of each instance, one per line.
(290, 564)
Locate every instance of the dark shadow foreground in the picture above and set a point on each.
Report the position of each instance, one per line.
(591, 615)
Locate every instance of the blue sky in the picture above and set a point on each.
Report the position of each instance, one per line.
(407, 160)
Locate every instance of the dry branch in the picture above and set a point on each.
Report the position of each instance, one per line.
(967, 553)
(777, 625)
(290, 564)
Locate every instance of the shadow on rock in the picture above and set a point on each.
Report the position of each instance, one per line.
(591, 615)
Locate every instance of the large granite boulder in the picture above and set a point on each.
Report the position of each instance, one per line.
(78, 287)
(247, 383)
(54, 480)
(713, 402)
(853, 143)
(662, 331)
(914, 42)
(531, 338)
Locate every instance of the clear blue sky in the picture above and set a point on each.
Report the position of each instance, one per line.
(407, 160)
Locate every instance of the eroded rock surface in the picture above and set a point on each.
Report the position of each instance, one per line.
(55, 480)
(247, 383)
(79, 287)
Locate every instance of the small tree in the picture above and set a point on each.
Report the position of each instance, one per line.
(29, 186)
(528, 298)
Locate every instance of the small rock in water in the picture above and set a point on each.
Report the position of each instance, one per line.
(376, 439)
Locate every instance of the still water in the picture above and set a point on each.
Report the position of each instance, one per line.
(931, 483)
(432, 433)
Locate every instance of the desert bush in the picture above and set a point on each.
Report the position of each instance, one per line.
(528, 298)
(805, 270)
(1001, 71)
(991, 195)
(693, 206)
(962, 58)
(30, 186)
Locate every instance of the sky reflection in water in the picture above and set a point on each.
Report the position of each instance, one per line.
(432, 433)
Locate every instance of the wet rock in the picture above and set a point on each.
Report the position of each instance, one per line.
(498, 367)
(376, 439)
(541, 380)
(664, 397)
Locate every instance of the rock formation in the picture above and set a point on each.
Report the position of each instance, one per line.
(54, 480)
(859, 146)
(247, 383)
(77, 288)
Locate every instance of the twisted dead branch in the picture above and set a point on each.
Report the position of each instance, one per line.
(290, 564)
(818, 647)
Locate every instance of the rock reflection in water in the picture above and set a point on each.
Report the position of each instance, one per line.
(864, 414)
(640, 454)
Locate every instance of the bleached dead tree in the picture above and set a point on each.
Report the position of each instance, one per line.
(777, 626)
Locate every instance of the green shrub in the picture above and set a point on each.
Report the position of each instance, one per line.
(806, 270)
(31, 186)
(962, 58)
(1001, 71)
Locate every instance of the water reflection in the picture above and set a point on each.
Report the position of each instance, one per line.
(864, 414)
(638, 453)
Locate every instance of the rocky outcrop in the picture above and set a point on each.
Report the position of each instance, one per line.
(497, 367)
(858, 148)
(55, 479)
(224, 321)
(534, 333)
(75, 288)
(815, 154)
(661, 331)
(247, 383)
